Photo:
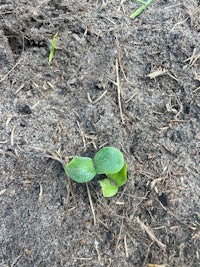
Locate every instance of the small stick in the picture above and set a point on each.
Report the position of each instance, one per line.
(4, 142)
(10, 117)
(82, 135)
(50, 154)
(130, 98)
(157, 73)
(97, 250)
(16, 260)
(12, 135)
(119, 91)
(2, 192)
(87, 136)
(20, 88)
(150, 233)
(126, 247)
(99, 98)
(41, 193)
(91, 204)
(119, 236)
(5, 76)
(83, 259)
(198, 88)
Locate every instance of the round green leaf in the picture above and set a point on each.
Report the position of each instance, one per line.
(120, 177)
(108, 160)
(108, 188)
(81, 169)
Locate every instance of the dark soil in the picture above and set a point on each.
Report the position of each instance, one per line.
(147, 72)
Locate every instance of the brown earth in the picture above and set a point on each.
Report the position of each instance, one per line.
(146, 73)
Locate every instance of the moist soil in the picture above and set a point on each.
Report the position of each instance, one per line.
(114, 81)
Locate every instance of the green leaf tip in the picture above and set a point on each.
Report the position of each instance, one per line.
(80, 169)
(108, 188)
(119, 178)
(144, 5)
(108, 160)
(53, 42)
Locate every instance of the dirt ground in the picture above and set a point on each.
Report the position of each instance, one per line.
(131, 84)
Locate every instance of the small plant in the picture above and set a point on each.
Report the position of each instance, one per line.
(53, 42)
(108, 161)
(141, 8)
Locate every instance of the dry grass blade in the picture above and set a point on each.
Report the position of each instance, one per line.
(151, 234)
(51, 154)
(6, 75)
(91, 204)
(2, 192)
(119, 91)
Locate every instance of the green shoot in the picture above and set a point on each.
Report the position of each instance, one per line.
(108, 161)
(141, 8)
(53, 42)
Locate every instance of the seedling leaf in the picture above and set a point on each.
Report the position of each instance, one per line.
(80, 169)
(108, 160)
(108, 188)
(53, 42)
(120, 178)
(144, 5)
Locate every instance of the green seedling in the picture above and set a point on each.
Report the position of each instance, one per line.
(109, 189)
(108, 161)
(53, 42)
(141, 8)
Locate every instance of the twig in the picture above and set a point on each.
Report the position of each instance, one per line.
(151, 234)
(91, 204)
(16, 260)
(12, 135)
(160, 72)
(157, 73)
(83, 259)
(192, 59)
(86, 136)
(50, 154)
(2, 192)
(82, 135)
(97, 250)
(98, 99)
(130, 98)
(119, 90)
(41, 193)
(5, 76)
(20, 88)
(126, 247)
(119, 236)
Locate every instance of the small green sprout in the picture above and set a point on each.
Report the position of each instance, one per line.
(53, 42)
(141, 8)
(108, 161)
